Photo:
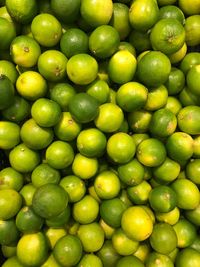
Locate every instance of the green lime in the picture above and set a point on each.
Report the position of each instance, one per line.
(90, 260)
(11, 179)
(60, 220)
(9, 134)
(6, 92)
(9, 232)
(8, 69)
(188, 257)
(156, 98)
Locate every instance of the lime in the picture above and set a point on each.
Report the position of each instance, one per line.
(154, 258)
(23, 159)
(74, 187)
(52, 65)
(140, 40)
(9, 232)
(139, 194)
(191, 59)
(7, 33)
(50, 262)
(192, 170)
(32, 249)
(85, 210)
(122, 67)
(8, 69)
(59, 154)
(121, 148)
(188, 120)
(192, 25)
(82, 69)
(6, 92)
(111, 211)
(171, 11)
(104, 41)
(53, 235)
(139, 121)
(45, 112)
(91, 236)
(137, 223)
(187, 9)
(93, 12)
(90, 260)
(188, 257)
(173, 104)
(100, 90)
(74, 41)
(46, 29)
(27, 193)
(44, 174)
(129, 261)
(171, 217)
(154, 68)
(49, 200)
(143, 14)
(60, 220)
(67, 129)
(193, 75)
(156, 98)
(9, 134)
(11, 179)
(108, 254)
(107, 185)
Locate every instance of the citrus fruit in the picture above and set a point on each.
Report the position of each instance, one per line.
(187, 194)
(188, 120)
(90, 260)
(155, 258)
(176, 57)
(170, 11)
(84, 167)
(49, 200)
(85, 210)
(139, 120)
(154, 68)
(25, 51)
(45, 112)
(171, 217)
(62, 94)
(122, 244)
(11, 179)
(50, 262)
(136, 223)
(10, 203)
(143, 14)
(192, 25)
(32, 249)
(142, 251)
(107, 185)
(131, 173)
(59, 154)
(139, 193)
(91, 142)
(191, 59)
(168, 166)
(31, 85)
(67, 129)
(9, 134)
(120, 20)
(121, 148)
(68, 250)
(192, 170)
(179, 146)
(175, 82)
(110, 117)
(151, 152)
(34, 136)
(91, 236)
(46, 29)
(163, 123)
(163, 238)
(122, 67)
(52, 65)
(188, 257)
(66, 11)
(60, 220)
(187, 98)
(173, 104)
(129, 261)
(111, 211)
(8, 69)
(22, 11)
(131, 96)
(9, 232)
(162, 198)
(44, 174)
(82, 69)
(188, 9)
(140, 40)
(74, 41)
(12, 261)
(6, 92)
(18, 111)
(167, 36)
(104, 41)
(100, 90)
(74, 187)
(93, 12)
(108, 254)
(23, 159)
(53, 235)
(185, 232)
(124, 45)
(156, 98)
(108, 230)
(27, 221)
(193, 75)
(27, 193)
(7, 33)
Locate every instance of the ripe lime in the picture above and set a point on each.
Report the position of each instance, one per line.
(171, 11)
(90, 260)
(6, 92)
(9, 234)
(8, 69)
(9, 134)
(193, 78)
(188, 257)
(11, 179)
(100, 90)
(7, 33)
(156, 98)
(139, 120)
(129, 261)
(175, 82)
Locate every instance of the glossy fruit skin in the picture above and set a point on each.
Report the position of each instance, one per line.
(6, 92)
(188, 256)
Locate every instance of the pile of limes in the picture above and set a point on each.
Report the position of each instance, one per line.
(100, 133)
